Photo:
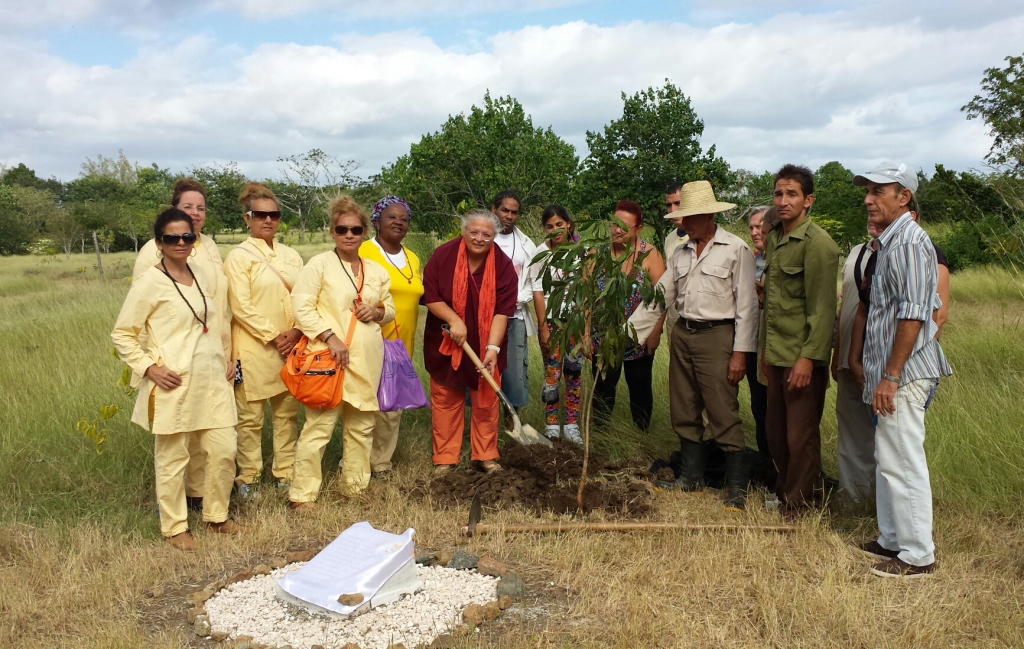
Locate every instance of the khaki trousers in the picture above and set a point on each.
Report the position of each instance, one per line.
(357, 435)
(855, 440)
(285, 413)
(195, 475)
(385, 439)
(698, 381)
(171, 456)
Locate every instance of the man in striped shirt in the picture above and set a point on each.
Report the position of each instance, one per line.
(902, 366)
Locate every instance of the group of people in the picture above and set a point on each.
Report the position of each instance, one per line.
(207, 341)
(772, 316)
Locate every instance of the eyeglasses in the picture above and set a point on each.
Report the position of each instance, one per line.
(275, 215)
(174, 239)
(357, 230)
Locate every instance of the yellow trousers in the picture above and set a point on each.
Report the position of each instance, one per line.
(309, 452)
(171, 457)
(285, 413)
(385, 439)
(195, 475)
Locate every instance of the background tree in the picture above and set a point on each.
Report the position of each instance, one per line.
(120, 168)
(1001, 106)
(223, 184)
(22, 176)
(655, 142)
(473, 157)
(65, 230)
(839, 205)
(311, 180)
(17, 229)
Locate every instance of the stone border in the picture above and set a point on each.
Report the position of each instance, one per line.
(510, 588)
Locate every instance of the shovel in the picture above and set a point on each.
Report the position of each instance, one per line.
(525, 435)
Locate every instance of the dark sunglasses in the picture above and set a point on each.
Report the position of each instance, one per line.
(357, 230)
(173, 239)
(260, 214)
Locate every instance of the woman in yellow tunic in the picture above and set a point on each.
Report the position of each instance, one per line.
(333, 287)
(390, 218)
(260, 275)
(184, 395)
(190, 197)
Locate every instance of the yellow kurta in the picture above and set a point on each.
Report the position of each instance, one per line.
(322, 299)
(175, 339)
(261, 310)
(406, 291)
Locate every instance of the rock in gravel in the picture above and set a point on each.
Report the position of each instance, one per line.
(320, 646)
(219, 636)
(193, 613)
(277, 562)
(491, 567)
(427, 559)
(504, 602)
(198, 598)
(215, 586)
(201, 626)
(350, 645)
(473, 614)
(511, 585)
(351, 599)
(463, 560)
(262, 569)
(443, 557)
(243, 642)
(301, 555)
(491, 611)
(242, 576)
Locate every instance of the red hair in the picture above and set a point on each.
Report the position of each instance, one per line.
(632, 208)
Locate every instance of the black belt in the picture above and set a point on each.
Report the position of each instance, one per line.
(701, 325)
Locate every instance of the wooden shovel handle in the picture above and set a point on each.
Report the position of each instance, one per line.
(468, 351)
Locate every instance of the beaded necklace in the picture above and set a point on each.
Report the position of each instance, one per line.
(206, 312)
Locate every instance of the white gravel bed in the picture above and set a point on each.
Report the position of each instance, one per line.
(252, 608)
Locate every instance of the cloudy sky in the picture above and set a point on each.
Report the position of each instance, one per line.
(188, 82)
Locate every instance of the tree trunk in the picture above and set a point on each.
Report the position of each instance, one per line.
(99, 258)
(588, 409)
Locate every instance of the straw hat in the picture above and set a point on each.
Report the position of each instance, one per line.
(698, 198)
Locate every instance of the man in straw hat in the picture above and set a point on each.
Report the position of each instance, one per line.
(710, 284)
(801, 262)
(902, 366)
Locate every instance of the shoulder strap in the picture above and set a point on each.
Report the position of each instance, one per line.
(252, 252)
(858, 274)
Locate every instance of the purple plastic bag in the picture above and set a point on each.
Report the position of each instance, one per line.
(400, 388)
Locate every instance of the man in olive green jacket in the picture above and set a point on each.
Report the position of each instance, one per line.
(797, 325)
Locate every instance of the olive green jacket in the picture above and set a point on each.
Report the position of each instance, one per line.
(799, 314)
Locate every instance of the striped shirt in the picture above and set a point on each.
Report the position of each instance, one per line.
(904, 288)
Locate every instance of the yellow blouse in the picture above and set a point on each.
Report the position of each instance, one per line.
(323, 298)
(406, 290)
(175, 340)
(261, 310)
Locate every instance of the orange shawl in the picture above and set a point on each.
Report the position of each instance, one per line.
(485, 306)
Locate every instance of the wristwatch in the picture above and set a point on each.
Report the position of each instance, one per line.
(889, 377)
(497, 350)
(328, 335)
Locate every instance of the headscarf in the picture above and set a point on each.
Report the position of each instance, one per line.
(383, 204)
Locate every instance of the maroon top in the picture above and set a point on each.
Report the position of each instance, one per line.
(437, 287)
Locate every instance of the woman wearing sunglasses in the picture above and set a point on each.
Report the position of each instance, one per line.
(184, 399)
(261, 273)
(340, 302)
(390, 219)
(190, 197)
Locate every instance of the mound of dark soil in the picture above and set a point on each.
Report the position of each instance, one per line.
(541, 478)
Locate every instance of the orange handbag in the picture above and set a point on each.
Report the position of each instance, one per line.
(313, 378)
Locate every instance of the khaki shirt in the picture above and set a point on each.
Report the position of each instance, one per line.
(175, 340)
(261, 309)
(323, 298)
(717, 285)
(800, 270)
(672, 241)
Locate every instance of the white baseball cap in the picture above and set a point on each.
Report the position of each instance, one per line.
(889, 173)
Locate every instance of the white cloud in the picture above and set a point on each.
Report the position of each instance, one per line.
(793, 89)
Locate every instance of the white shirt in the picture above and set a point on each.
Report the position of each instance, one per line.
(521, 251)
(398, 259)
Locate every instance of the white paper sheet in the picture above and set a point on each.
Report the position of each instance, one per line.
(360, 560)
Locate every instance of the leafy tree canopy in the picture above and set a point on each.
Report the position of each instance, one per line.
(1001, 106)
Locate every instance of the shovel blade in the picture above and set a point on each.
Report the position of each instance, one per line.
(527, 434)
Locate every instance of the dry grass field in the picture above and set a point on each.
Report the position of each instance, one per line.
(82, 564)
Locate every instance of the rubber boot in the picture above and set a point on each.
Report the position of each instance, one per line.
(737, 474)
(692, 477)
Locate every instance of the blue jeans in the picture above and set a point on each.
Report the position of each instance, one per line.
(514, 378)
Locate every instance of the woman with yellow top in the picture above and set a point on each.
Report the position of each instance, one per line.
(340, 302)
(390, 218)
(261, 273)
(190, 197)
(184, 395)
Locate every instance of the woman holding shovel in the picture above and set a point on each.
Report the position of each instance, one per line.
(471, 286)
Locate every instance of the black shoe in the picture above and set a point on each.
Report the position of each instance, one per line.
(875, 550)
(692, 477)
(737, 474)
(902, 569)
(194, 503)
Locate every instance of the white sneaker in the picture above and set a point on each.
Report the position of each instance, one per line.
(246, 491)
(572, 431)
(551, 430)
(771, 501)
